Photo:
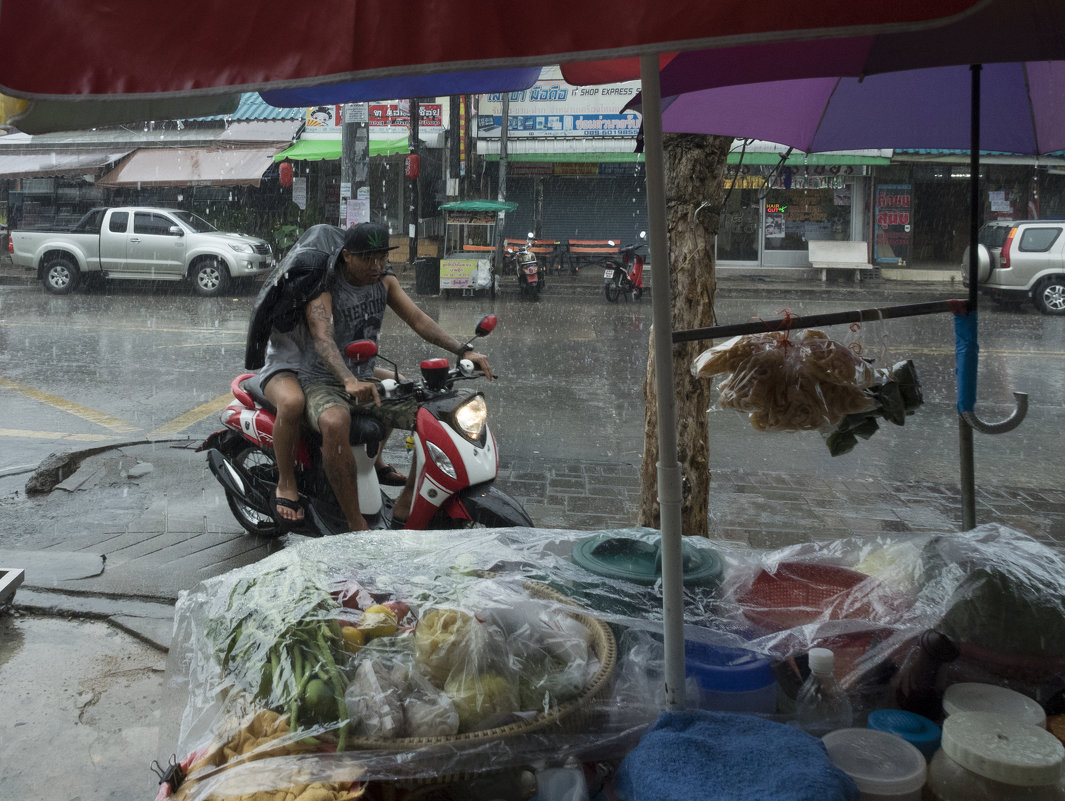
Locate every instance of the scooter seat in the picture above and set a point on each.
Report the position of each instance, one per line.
(254, 388)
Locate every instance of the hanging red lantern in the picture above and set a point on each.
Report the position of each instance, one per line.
(284, 173)
(411, 166)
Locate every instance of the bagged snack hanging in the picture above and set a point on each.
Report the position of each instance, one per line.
(789, 381)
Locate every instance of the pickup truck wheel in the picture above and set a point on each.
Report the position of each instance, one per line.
(210, 277)
(61, 276)
(1049, 296)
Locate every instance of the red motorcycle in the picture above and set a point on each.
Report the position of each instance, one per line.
(624, 276)
(456, 460)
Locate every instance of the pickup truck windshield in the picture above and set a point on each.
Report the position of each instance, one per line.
(197, 224)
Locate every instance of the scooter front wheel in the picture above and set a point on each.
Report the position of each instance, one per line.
(486, 507)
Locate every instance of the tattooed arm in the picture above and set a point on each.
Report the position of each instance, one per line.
(319, 314)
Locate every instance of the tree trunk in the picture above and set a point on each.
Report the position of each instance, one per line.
(695, 168)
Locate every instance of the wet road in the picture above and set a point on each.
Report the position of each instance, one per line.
(88, 369)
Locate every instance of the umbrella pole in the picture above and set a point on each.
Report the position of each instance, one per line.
(967, 478)
(669, 475)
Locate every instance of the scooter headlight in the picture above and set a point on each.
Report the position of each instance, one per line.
(469, 417)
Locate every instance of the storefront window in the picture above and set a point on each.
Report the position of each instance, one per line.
(737, 237)
(795, 216)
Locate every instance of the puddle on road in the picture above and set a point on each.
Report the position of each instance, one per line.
(81, 703)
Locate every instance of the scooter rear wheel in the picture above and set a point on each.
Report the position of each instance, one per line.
(613, 291)
(260, 465)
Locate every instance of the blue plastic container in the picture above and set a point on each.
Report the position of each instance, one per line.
(917, 730)
(731, 679)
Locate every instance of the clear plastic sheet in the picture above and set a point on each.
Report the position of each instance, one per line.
(527, 658)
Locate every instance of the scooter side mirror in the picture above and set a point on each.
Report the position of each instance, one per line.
(361, 351)
(487, 325)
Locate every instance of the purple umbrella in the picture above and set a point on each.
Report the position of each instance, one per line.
(1022, 110)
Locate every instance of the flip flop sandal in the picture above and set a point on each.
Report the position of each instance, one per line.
(284, 522)
(390, 476)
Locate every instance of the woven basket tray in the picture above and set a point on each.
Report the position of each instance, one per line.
(569, 716)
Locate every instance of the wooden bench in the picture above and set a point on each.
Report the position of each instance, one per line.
(828, 254)
(579, 252)
(546, 250)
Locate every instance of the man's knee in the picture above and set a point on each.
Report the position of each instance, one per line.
(334, 423)
(291, 406)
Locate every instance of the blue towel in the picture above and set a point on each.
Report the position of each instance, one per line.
(726, 756)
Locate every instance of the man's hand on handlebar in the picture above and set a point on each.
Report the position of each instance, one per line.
(480, 361)
(362, 392)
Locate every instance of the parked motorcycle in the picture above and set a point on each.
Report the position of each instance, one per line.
(524, 264)
(623, 277)
(455, 456)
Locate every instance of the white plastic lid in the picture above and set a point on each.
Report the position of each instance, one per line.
(822, 661)
(1003, 749)
(880, 763)
(977, 697)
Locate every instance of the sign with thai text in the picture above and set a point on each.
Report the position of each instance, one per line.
(894, 225)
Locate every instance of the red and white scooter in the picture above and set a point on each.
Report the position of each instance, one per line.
(623, 277)
(455, 458)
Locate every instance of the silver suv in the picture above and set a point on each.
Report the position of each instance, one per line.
(1022, 260)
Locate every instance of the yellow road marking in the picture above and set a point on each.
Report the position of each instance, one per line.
(193, 416)
(54, 435)
(76, 409)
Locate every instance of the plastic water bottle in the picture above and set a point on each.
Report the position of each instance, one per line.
(822, 705)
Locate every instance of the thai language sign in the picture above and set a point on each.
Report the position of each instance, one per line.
(894, 224)
(554, 108)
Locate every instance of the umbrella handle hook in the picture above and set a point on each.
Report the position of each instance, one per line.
(1020, 409)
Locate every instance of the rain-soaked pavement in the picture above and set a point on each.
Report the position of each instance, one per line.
(111, 547)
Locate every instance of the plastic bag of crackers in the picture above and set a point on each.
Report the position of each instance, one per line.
(789, 381)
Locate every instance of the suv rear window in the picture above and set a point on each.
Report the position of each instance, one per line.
(993, 236)
(1038, 240)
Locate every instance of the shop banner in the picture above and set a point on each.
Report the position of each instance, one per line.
(554, 108)
(458, 273)
(894, 224)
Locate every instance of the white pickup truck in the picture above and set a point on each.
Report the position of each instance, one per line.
(141, 244)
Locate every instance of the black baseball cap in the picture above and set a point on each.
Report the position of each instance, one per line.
(367, 237)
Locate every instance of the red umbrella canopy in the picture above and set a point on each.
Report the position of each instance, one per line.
(130, 47)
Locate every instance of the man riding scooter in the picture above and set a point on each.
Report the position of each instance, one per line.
(351, 307)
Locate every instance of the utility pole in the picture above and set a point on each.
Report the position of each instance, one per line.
(414, 208)
(497, 263)
(354, 160)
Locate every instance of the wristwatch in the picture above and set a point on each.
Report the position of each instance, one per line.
(464, 350)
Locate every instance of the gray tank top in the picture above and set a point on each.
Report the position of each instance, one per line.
(357, 314)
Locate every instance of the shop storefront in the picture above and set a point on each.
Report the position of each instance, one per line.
(773, 209)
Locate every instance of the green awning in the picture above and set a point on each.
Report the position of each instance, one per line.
(329, 149)
(479, 205)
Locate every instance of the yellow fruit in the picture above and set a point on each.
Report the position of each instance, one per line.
(378, 621)
(354, 638)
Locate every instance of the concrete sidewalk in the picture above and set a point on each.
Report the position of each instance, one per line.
(134, 525)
